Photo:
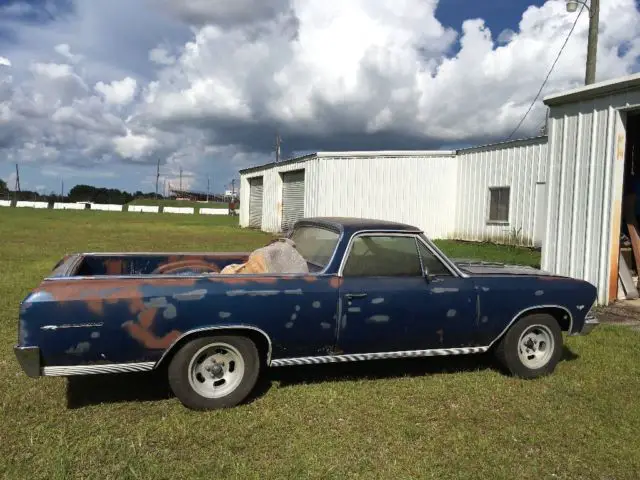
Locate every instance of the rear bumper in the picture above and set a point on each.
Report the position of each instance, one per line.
(29, 360)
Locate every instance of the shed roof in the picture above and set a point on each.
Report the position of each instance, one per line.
(594, 90)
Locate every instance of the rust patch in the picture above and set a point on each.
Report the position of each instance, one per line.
(148, 338)
(335, 282)
(146, 317)
(310, 278)
(440, 334)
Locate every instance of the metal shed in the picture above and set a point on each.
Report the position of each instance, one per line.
(587, 144)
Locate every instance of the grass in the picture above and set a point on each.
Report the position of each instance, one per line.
(420, 418)
(178, 203)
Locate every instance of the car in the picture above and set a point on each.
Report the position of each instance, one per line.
(371, 290)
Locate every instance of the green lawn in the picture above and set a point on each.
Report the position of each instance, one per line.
(178, 203)
(419, 418)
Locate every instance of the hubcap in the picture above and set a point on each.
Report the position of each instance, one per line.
(536, 346)
(216, 370)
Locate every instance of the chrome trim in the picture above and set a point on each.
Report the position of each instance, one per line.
(218, 327)
(68, 370)
(589, 325)
(77, 325)
(355, 357)
(535, 307)
(160, 276)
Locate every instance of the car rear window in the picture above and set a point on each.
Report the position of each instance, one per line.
(315, 244)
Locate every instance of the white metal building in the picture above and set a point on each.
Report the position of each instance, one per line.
(563, 192)
(483, 193)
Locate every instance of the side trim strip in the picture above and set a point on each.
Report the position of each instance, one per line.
(355, 357)
(67, 370)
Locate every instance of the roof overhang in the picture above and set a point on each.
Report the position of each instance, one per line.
(595, 90)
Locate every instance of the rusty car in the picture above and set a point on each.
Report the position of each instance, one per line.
(370, 290)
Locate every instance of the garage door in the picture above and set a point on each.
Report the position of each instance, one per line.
(292, 198)
(255, 202)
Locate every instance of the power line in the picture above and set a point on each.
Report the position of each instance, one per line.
(548, 74)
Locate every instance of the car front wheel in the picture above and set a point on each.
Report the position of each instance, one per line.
(214, 372)
(532, 347)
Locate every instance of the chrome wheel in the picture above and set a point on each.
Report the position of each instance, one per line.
(536, 346)
(216, 370)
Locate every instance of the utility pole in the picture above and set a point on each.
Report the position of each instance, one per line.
(592, 45)
(17, 186)
(164, 187)
(278, 143)
(592, 42)
(157, 178)
(61, 189)
(180, 179)
(207, 188)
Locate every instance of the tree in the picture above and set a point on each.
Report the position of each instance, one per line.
(3, 187)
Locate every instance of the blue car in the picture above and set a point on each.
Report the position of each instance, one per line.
(373, 290)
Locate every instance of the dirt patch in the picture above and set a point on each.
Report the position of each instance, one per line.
(621, 313)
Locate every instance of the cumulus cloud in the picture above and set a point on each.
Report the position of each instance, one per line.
(362, 74)
(119, 92)
(5, 62)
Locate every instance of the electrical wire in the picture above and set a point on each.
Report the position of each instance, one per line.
(548, 74)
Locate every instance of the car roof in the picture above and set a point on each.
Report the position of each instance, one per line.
(354, 224)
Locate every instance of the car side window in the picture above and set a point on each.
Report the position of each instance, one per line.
(432, 264)
(383, 256)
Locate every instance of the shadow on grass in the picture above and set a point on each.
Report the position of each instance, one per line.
(153, 386)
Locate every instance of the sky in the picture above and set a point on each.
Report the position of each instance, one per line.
(99, 91)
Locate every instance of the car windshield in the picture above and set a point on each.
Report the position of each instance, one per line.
(315, 244)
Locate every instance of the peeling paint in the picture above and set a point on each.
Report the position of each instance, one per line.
(288, 324)
(80, 348)
(315, 304)
(451, 313)
(293, 292)
(193, 295)
(325, 325)
(580, 307)
(440, 334)
(156, 302)
(378, 319)
(224, 314)
(444, 290)
(485, 289)
(294, 316)
(377, 301)
(95, 335)
(170, 312)
(539, 293)
(354, 309)
(484, 319)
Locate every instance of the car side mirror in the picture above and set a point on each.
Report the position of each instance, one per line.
(426, 274)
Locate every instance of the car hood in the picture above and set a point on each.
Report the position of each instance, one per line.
(475, 267)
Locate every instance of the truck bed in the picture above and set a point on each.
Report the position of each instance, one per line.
(126, 264)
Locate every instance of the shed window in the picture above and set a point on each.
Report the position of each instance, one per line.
(499, 204)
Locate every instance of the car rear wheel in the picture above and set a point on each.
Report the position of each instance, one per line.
(532, 347)
(214, 372)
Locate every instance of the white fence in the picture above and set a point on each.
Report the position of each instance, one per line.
(183, 210)
(69, 206)
(143, 208)
(214, 211)
(24, 204)
(5, 203)
(106, 208)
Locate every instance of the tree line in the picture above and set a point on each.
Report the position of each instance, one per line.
(79, 193)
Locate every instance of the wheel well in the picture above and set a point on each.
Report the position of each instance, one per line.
(258, 338)
(561, 315)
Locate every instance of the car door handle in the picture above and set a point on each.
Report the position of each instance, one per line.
(355, 295)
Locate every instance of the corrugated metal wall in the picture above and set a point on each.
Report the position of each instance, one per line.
(418, 190)
(518, 165)
(586, 143)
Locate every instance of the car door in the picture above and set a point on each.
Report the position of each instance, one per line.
(389, 304)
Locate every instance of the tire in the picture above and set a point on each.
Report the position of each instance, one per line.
(214, 372)
(542, 360)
